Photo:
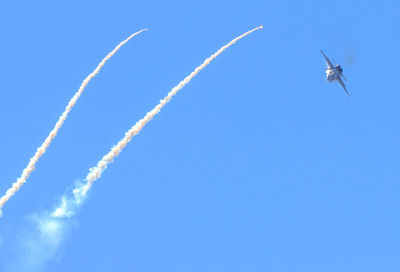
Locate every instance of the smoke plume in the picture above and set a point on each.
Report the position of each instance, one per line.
(69, 205)
(42, 149)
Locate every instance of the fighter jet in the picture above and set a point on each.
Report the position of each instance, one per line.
(334, 73)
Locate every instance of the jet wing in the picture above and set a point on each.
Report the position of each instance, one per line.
(344, 86)
(328, 62)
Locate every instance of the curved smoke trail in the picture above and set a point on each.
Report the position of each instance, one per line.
(68, 206)
(42, 149)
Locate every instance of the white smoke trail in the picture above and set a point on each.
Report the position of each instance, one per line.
(69, 205)
(42, 149)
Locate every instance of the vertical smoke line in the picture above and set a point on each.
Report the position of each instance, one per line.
(42, 149)
(68, 206)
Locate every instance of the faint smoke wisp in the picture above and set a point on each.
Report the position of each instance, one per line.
(69, 205)
(36, 243)
(350, 56)
(42, 149)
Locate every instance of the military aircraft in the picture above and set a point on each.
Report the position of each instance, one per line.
(334, 73)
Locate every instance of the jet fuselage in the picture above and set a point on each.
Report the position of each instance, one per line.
(333, 73)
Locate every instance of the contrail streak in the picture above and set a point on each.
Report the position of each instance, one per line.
(42, 149)
(68, 207)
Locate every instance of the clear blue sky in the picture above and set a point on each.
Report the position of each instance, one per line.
(258, 164)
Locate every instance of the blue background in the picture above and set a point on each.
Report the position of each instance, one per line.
(258, 164)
